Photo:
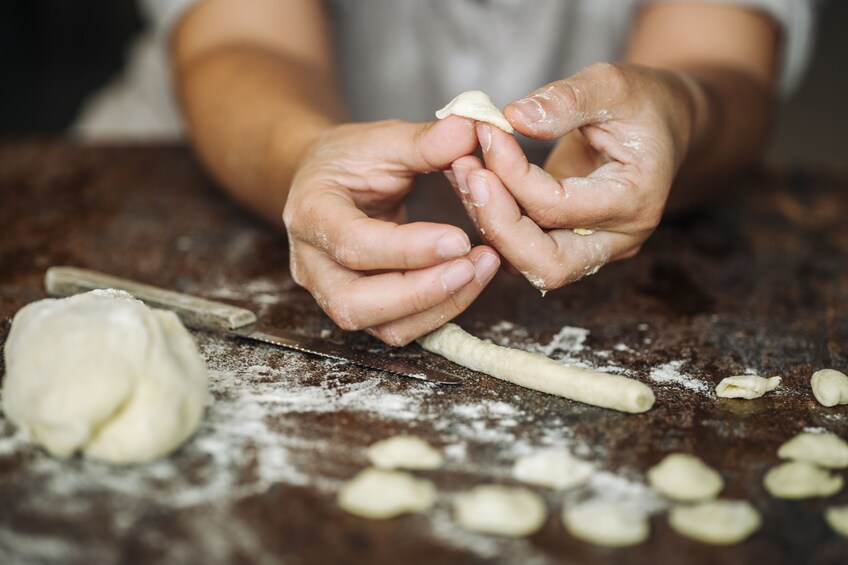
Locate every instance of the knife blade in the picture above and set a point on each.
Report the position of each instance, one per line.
(202, 314)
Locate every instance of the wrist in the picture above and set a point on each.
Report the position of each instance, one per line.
(703, 111)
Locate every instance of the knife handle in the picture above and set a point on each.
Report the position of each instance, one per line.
(195, 312)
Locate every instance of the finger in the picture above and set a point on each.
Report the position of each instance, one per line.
(547, 259)
(404, 330)
(429, 146)
(356, 301)
(591, 96)
(603, 200)
(331, 222)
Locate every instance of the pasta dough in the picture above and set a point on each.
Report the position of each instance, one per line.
(830, 387)
(606, 524)
(379, 494)
(720, 522)
(103, 374)
(837, 518)
(539, 373)
(477, 105)
(746, 386)
(799, 479)
(685, 477)
(553, 469)
(404, 452)
(825, 450)
(501, 510)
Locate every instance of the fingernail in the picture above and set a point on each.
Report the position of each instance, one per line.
(485, 267)
(451, 177)
(530, 110)
(453, 245)
(460, 180)
(479, 187)
(484, 134)
(457, 276)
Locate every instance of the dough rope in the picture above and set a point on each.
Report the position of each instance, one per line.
(539, 373)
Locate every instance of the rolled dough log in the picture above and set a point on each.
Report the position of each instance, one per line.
(501, 510)
(746, 386)
(825, 450)
(103, 374)
(404, 452)
(720, 522)
(682, 476)
(799, 479)
(606, 524)
(539, 373)
(379, 494)
(477, 105)
(830, 387)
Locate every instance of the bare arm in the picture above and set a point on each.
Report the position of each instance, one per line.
(730, 54)
(257, 87)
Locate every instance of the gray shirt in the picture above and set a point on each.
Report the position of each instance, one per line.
(406, 58)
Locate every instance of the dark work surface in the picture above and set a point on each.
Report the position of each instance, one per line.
(757, 284)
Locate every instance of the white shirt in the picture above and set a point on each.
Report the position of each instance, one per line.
(406, 58)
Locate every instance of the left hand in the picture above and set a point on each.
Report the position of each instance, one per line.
(624, 131)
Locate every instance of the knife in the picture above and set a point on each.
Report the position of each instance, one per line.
(202, 314)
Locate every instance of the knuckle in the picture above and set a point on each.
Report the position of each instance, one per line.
(339, 311)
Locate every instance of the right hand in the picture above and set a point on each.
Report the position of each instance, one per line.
(348, 246)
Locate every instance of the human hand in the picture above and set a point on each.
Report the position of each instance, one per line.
(624, 131)
(348, 247)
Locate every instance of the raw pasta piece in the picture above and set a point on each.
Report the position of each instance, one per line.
(830, 387)
(404, 452)
(837, 518)
(606, 524)
(825, 450)
(746, 386)
(477, 105)
(720, 522)
(539, 373)
(583, 231)
(379, 494)
(685, 477)
(500, 510)
(553, 469)
(799, 479)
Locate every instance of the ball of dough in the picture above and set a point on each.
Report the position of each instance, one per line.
(799, 479)
(830, 387)
(746, 386)
(501, 510)
(825, 450)
(553, 469)
(685, 477)
(379, 494)
(837, 518)
(720, 522)
(404, 452)
(103, 374)
(606, 524)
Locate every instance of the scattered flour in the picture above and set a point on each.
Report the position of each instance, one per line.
(670, 373)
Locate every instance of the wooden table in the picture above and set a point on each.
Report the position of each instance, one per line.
(757, 284)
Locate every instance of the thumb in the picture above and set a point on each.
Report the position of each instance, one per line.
(429, 146)
(590, 96)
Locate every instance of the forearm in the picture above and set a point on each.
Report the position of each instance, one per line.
(251, 114)
(731, 118)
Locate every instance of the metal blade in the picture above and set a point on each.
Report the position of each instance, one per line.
(322, 348)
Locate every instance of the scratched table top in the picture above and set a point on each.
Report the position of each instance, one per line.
(757, 284)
